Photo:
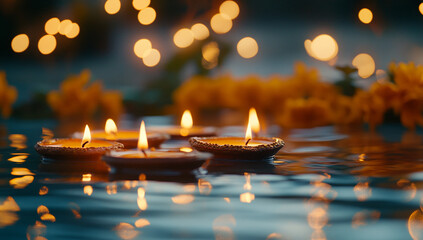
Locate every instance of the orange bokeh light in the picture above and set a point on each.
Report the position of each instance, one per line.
(20, 43)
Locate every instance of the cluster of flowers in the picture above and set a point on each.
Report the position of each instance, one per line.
(78, 100)
(304, 100)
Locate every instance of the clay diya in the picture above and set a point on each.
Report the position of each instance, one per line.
(259, 148)
(74, 148)
(159, 160)
(186, 129)
(128, 138)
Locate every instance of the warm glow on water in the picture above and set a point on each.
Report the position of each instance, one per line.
(42, 210)
(220, 23)
(21, 182)
(112, 6)
(52, 26)
(73, 31)
(204, 186)
(47, 44)
(141, 47)
(324, 47)
(43, 191)
(18, 159)
(142, 222)
(247, 185)
(140, 4)
(229, 9)
(20, 43)
(147, 16)
(222, 227)
(415, 225)
(9, 204)
(8, 211)
(362, 191)
(142, 204)
(200, 31)
(111, 189)
(183, 199)
(247, 197)
(151, 57)
(365, 15)
(141, 192)
(48, 217)
(247, 47)
(183, 38)
(126, 231)
(365, 65)
(88, 190)
(21, 172)
(18, 141)
(317, 218)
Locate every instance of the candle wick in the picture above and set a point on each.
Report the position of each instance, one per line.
(145, 154)
(85, 143)
(246, 143)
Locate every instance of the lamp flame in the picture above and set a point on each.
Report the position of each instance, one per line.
(186, 123)
(110, 128)
(87, 136)
(248, 134)
(142, 140)
(253, 119)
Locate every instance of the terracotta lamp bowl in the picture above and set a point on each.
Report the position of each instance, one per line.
(234, 147)
(59, 149)
(159, 160)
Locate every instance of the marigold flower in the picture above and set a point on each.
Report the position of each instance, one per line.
(409, 94)
(8, 95)
(304, 113)
(76, 99)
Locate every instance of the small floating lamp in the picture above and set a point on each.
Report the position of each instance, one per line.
(128, 138)
(145, 159)
(186, 129)
(75, 148)
(237, 147)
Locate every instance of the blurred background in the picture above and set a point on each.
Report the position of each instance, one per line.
(64, 37)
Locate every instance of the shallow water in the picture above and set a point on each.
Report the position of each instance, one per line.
(327, 183)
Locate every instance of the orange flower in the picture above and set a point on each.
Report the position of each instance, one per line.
(304, 113)
(409, 100)
(77, 100)
(8, 96)
(344, 112)
(371, 108)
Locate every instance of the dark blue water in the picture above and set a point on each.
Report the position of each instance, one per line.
(327, 183)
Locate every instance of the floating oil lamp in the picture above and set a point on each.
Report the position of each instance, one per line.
(237, 147)
(145, 159)
(75, 148)
(186, 130)
(128, 138)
